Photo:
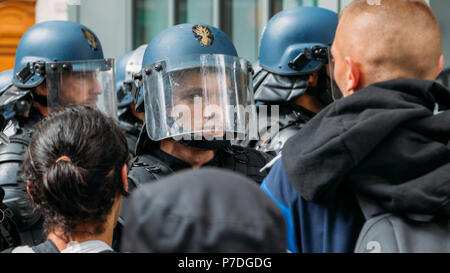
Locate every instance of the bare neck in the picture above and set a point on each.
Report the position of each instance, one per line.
(195, 157)
(57, 238)
(309, 102)
(106, 236)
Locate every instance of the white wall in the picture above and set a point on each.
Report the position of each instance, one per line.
(48, 10)
(111, 20)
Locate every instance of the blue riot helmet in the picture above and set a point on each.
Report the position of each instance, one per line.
(128, 65)
(121, 64)
(295, 43)
(194, 85)
(68, 57)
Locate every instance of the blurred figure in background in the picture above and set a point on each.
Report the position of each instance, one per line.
(130, 120)
(292, 73)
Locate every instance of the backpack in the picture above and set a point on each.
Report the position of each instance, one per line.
(408, 233)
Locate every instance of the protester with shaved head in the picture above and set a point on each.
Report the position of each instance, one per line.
(397, 39)
(383, 147)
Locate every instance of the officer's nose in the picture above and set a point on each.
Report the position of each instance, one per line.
(94, 86)
(210, 115)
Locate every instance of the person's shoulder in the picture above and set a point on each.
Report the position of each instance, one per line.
(278, 183)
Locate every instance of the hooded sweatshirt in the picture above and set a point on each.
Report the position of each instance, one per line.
(203, 210)
(388, 144)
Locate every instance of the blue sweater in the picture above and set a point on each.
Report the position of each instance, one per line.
(314, 228)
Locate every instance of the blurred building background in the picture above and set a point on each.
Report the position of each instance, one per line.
(123, 25)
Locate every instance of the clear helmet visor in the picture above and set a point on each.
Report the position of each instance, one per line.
(89, 83)
(335, 90)
(210, 97)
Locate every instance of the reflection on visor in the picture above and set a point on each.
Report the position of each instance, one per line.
(335, 90)
(206, 100)
(89, 83)
(204, 94)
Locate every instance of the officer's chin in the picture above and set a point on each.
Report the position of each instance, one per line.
(212, 134)
(91, 103)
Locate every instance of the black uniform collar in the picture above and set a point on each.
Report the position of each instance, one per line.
(303, 111)
(177, 164)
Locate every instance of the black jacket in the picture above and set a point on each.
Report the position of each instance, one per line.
(384, 142)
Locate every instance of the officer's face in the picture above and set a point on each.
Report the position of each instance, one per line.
(205, 95)
(80, 88)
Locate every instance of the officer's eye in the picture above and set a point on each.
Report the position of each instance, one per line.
(193, 94)
(81, 76)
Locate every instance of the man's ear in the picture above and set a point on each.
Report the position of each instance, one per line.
(313, 79)
(441, 65)
(29, 186)
(41, 89)
(353, 76)
(124, 174)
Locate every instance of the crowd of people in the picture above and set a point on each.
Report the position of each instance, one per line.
(335, 140)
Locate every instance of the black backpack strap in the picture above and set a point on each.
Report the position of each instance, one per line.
(368, 209)
(46, 247)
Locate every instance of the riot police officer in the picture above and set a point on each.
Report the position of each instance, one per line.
(58, 63)
(130, 120)
(292, 78)
(9, 235)
(7, 110)
(192, 83)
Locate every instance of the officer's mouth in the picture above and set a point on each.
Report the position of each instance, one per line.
(91, 103)
(212, 131)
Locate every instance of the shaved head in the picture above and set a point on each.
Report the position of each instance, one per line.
(396, 39)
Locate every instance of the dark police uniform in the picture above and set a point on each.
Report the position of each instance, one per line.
(28, 221)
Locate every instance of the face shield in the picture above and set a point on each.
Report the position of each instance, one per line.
(209, 98)
(335, 90)
(89, 83)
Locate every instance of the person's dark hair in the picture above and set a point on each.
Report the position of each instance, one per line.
(73, 168)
